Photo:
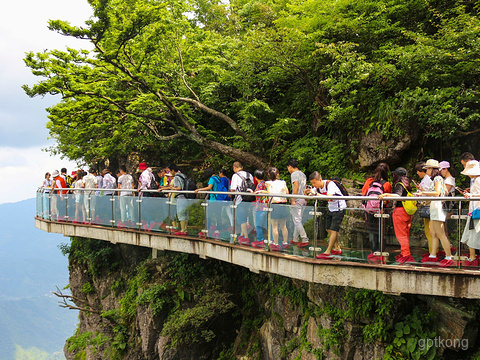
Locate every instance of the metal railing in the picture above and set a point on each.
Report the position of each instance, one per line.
(269, 226)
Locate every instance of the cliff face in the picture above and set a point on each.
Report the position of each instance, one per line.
(182, 307)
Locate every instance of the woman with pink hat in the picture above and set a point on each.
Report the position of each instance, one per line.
(437, 216)
(471, 234)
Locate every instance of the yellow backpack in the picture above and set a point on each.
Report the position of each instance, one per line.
(410, 206)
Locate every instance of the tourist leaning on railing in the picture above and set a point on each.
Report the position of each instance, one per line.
(471, 234)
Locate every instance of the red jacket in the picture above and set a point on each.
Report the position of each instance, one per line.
(63, 184)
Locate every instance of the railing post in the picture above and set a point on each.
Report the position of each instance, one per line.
(382, 233)
(205, 219)
(233, 235)
(66, 207)
(459, 234)
(315, 230)
(139, 201)
(269, 223)
(112, 221)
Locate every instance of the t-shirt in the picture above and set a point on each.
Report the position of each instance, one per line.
(89, 181)
(475, 190)
(99, 183)
(438, 179)
(302, 181)
(126, 182)
(400, 190)
(109, 183)
(179, 181)
(145, 179)
(451, 181)
(426, 182)
(331, 189)
(47, 184)
(277, 187)
(237, 182)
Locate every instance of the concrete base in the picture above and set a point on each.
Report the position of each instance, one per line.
(386, 278)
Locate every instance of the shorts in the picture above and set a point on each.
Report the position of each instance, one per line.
(280, 211)
(333, 220)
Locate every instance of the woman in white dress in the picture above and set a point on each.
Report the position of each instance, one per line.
(437, 216)
(280, 212)
(471, 234)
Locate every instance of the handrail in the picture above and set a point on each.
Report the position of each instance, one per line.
(289, 196)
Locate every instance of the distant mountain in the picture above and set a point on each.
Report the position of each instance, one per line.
(31, 266)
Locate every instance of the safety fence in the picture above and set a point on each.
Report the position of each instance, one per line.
(364, 237)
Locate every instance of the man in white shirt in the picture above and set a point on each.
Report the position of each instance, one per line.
(238, 184)
(125, 181)
(335, 213)
(90, 182)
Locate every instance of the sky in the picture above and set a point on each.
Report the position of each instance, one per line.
(23, 134)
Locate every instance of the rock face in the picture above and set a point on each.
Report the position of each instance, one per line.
(374, 149)
(182, 307)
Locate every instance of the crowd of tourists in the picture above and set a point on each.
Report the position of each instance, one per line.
(436, 179)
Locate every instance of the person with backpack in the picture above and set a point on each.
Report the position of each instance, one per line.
(214, 208)
(180, 200)
(242, 182)
(401, 220)
(375, 185)
(335, 211)
(144, 183)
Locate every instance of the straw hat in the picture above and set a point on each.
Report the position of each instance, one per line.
(472, 168)
(431, 163)
(444, 165)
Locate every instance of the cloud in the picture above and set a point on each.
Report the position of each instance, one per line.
(22, 119)
(23, 171)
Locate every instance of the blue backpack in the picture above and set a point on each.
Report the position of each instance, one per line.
(220, 184)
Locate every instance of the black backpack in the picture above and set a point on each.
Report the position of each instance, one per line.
(188, 184)
(342, 188)
(247, 184)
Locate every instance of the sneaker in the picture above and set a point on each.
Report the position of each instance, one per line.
(244, 241)
(163, 226)
(274, 247)
(216, 234)
(180, 233)
(447, 263)
(302, 244)
(201, 235)
(285, 246)
(336, 252)
(257, 244)
(324, 256)
(75, 222)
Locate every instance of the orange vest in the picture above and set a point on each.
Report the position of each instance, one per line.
(62, 183)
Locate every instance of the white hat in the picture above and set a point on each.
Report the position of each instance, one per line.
(472, 168)
(431, 163)
(55, 173)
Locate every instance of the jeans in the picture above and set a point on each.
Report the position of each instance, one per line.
(260, 223)
(297, 215)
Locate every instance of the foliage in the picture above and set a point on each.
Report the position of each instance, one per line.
(78, 343)
(96, 255)
(406, 342)
(261, 82)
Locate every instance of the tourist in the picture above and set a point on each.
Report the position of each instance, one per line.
(214, 208)
(90, 182)
(464, 159)
(335, 212)
(401, 220)
(58, 200)
(260, 209)
(437, 216)
(125, 182)
(179, 200)
(46, 188)
(471, 234)
(424, 211)
(238, 184)
(79, 202)
(299, 182)
(278, 217)
(375, 185)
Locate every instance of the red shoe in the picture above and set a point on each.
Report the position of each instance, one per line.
(430, 261)
(447, 263)
(85, 223)
(258, 244)
(324, 256)
(244, 241)
(405, 259)
(374, 259)
(75, 222)
(302, 244)
(213, 228)
(201, 235)
(336, 252)
(180, 233)
(274, 247)
(216, 234)
(293, 242)
(285, 246)
(468, 263)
